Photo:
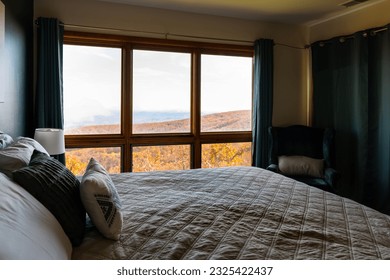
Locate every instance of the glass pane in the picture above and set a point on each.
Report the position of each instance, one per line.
(226, 154)
(77, 159)
(153, 158)
(161, 91)
(226, 88)
(92, 90)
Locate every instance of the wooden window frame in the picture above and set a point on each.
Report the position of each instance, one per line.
(126, 139)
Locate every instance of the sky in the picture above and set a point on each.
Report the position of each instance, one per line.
(161, 82)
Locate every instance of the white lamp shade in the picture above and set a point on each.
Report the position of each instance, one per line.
(52, 139)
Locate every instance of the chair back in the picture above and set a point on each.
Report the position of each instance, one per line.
(300, 140)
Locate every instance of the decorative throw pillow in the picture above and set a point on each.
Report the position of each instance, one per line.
(5, 140)
(101, 200)
(51, 183)
(301, 165)
(18, 154)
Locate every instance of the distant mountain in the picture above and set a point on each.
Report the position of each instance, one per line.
(151, 117)
(155, 122)
(138, 117)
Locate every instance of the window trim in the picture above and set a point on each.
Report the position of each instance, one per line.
(126, 139)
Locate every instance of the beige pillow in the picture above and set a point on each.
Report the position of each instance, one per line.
(301, 165)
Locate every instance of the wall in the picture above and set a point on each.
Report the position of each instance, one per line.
(375, 15)
(290, 94)
(16, 111)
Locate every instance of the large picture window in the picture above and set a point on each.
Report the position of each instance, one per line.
(226, 93)
(147, 104)
(161, 91)
(92, 86)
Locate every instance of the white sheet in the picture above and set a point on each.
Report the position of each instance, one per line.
(27, 229)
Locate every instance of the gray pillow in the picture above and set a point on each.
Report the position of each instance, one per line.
(51, 183)
(18, 154)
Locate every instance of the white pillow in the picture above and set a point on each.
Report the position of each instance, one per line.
(301, 165)
(101, 200)
(33, 143)
(18, 155)
(27, 229)
(5, 140)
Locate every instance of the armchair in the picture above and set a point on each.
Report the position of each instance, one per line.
(304, 154)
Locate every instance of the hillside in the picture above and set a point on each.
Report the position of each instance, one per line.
(227, 121)
(163, 157)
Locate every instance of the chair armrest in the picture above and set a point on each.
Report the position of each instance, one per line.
(330, 176)
(273, 167)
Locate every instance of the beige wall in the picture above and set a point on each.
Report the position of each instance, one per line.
(290, 74)
(375, 15)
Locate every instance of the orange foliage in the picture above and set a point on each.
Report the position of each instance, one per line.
(153, 158)
(77, 159)
(226, 154)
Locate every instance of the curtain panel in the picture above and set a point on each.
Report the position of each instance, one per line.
(49, 92)
(351, 93)
(262, 100)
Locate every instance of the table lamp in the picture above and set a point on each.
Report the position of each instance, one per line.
(52, 139)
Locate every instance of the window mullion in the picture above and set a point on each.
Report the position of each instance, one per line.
(196, 160)
(127, 106)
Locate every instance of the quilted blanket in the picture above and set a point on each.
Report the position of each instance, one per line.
(236, 213)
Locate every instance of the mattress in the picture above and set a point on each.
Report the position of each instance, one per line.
(236, 213)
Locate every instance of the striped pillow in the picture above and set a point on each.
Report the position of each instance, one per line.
(52, 184)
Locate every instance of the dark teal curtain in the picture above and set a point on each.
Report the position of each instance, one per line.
(49, 92)
(349, 94)
(262, 100)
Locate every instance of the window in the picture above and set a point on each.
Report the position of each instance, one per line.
(92, 89)
(226, 154)
(146, 104)
(161, 91)
(226, 88)
(77, 159)
(168, 157)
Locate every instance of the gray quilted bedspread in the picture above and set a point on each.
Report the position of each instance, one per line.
(236, 213)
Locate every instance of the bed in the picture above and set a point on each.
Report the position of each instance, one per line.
(221, 213)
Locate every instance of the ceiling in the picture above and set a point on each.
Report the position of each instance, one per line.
(281, 11)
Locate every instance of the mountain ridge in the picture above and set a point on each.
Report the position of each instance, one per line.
(227, 121)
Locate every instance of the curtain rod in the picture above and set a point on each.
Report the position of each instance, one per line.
(167, 34)
(365, 33)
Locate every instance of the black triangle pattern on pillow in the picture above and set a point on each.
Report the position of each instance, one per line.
(108, 208)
